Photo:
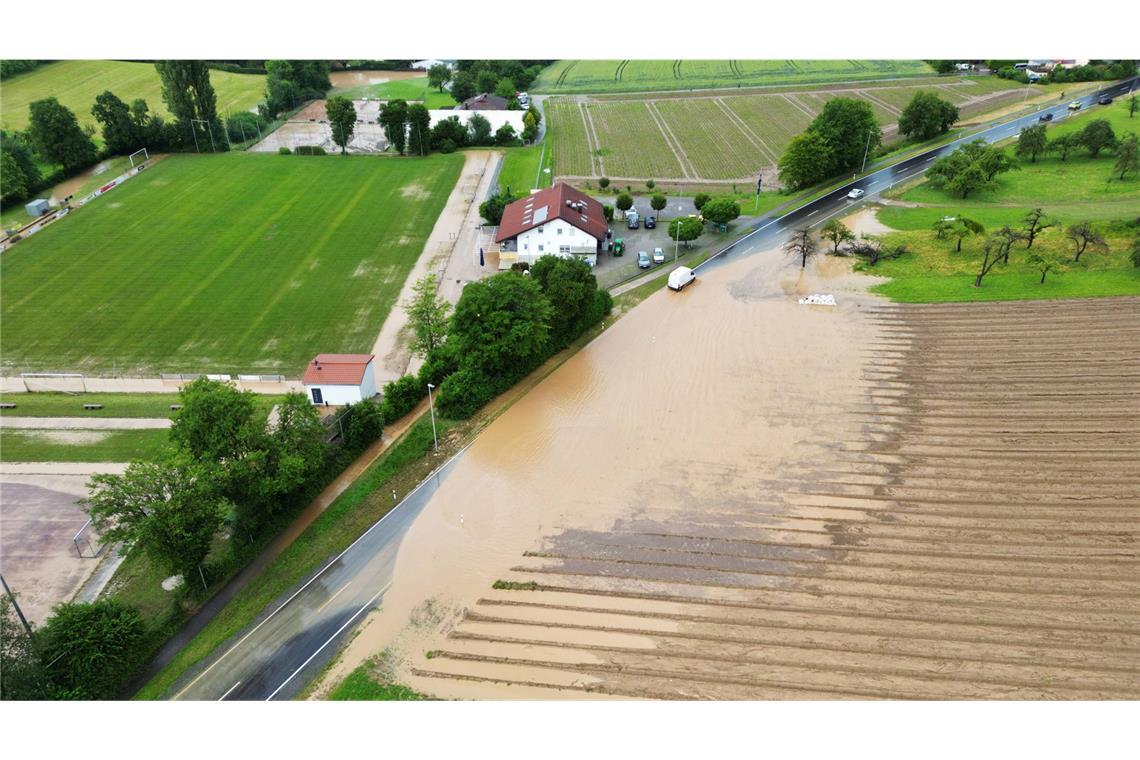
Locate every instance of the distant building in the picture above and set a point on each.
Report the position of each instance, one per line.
(339, 379)
(557, 221)
(484, 102)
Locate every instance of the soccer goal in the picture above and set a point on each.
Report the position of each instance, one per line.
(87, 542)
(54, 382)
(135, 157)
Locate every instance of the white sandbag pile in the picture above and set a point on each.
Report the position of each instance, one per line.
(819, 299)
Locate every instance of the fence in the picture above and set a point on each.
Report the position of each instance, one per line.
(87, 542)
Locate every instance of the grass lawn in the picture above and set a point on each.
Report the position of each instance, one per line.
(223, 263)
(114, 404)
(76, 84)
(80, 445)
(521, 171)
(415, 88)
(360, 686)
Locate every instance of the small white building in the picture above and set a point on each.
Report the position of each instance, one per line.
(338, 379)
(557, 221)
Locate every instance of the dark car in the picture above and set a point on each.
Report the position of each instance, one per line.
(650, 222)
(633, 223)
(1104, 100)
(1045, 117)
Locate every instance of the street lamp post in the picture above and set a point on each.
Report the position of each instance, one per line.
(431, 404)
(677, 234)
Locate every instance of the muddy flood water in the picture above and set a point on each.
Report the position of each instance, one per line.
(346, 79)
(732, 495)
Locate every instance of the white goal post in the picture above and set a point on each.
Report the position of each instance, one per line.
(144, 159)
(54, 382)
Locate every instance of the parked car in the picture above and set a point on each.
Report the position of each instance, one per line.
(1104, 100)
(642, 260)
(650, 222)
(680, 277)
(1075, 105)
(632, 223)
(1045, 117)
(658, 254)
(856, 194)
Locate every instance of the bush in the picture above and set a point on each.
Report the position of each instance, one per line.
(401, 396)
(700, 199)
(650, 184)
(362, 424)
(447, 145)
(604, 182)
(244, 126)
(283, 151)
(608, 212)
(309, 150)
(463, 392)
(440, 363)
(89, 650)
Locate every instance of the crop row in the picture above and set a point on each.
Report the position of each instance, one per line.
(571, 143)
(713, 142)
(632, 143)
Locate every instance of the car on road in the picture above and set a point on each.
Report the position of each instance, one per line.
(642, 260)
(658, 255)
(680, 277)
(1045, 117)
(856, 194)
(650, 222)
(1104, 100)
(1075, 105)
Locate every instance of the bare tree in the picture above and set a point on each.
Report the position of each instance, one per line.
(1035, 224)
(802, 244)
(871, 250)
(1005, 239)
(992, 253)
(1084, 236)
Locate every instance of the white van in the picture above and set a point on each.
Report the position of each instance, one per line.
(680, 277)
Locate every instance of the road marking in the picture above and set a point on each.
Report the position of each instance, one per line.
(222, 698)
(347, 623)
(334, 596)
(814, 212)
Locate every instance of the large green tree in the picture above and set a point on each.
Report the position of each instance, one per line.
(16, 187)
(394, 119)
(341, 114)
(479, 130)
(439, 75)
(21, 176)
(289, 83)
(685, 229)
(1032, 142)
(419, 130)
(217, 422)
(849, 128)
(1097, 136)
(576, 303)
(428, 315)
(120, 133)
(56, 135)
(837, 233)
(190, 98)
(927, 116)
(501, 327)
(721, 210)
(89, 650)
(806, 161)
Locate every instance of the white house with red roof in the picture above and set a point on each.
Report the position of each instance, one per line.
(339, 379)
(557, 221)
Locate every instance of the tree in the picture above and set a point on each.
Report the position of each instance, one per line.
(1035, 223)
(120, 133)
(837, 233)
(624, 202)
(492, 209)
(462, 86)
(942, 227)
(428, 314)
(1065, 144)
(501, 327)
(479, 130)
(16, 186)
(419, 130)
(1096, 136)
(1084, 236)
(190, 97)
(926, 116)
(570, 287)
(970, 180)
(721, 210)
(991, 254)
(505, 135)
(603, 182)
(801, 244)
(1044, 261)
(288, 83)
(1031, 142)
(658, 203)
(963, 227)
(1134, 253)
(1132, 106)
(217, 422)
(342, 120)
(56, 135)
(169, 509)
(685, 229)
(850, 130)
(1127, 155)
(807, 160)
(88, 650)
(20, 174)
(449, 129)
(486, 81)
(871, 250)
(700, 199)
(650, 184)
(608, 212)
(394, 120)
(1005, 239)
(21, 674)
(439, 75)
(505, 88)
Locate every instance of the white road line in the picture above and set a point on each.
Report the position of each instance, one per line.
(222, 698)
(347, 623)
(334, 596)
(814, 212)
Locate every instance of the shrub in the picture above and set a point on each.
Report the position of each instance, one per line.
(309, 150)
(401, 396)
(447, 145)
(608, 212)
(90, 649)
(243, 126)
(700, 199)
(604, 182)
(283, 151)
(650, 184)
(362, 424)
(440, 363)
(463, 392)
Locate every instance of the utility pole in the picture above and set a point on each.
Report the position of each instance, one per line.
(431, 404)
(865, 151)
(16, 606)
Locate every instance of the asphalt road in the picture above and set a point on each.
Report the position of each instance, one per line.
(299, 635)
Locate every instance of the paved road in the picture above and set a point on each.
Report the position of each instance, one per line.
(86, 423)
(280, 653)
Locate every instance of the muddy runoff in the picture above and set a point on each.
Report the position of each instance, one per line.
(689, 400)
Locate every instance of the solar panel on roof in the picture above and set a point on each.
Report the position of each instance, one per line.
(540, 214)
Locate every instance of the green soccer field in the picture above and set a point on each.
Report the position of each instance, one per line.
(580, 76)
(236, 263)
(76, 84)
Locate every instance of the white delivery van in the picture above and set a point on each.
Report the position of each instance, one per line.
(680, 277)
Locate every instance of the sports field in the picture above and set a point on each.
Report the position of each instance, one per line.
(725, 136)
(231, 263)
(643, 76)
(76, 84)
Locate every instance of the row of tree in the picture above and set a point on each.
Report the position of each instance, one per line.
(1096, 136)
(503, 78)
(288, 84)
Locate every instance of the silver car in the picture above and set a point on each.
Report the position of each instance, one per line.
(643, 260)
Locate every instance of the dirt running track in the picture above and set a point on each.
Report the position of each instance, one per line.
(732, 496)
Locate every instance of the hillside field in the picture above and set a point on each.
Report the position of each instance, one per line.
(234, 263)
(577, 76)
(76, 84)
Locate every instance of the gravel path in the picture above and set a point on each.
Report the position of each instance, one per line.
(86, 423)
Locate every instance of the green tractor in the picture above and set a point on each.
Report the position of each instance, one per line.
(619, 247)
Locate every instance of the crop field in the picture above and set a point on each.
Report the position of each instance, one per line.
(76, 84)
(579, 76)
(227, 263)
(726, 136)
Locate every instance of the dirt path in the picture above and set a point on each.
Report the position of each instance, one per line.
(747, 130)
(597, 163)
(391, 349)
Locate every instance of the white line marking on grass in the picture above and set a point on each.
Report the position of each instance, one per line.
(223, 697)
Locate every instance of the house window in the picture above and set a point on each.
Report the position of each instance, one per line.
(559, 230)
(526, 246)
(564, 249)
(540, 247)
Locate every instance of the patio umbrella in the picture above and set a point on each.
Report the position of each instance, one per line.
(480, 257)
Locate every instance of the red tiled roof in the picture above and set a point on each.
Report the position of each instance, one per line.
(547, 205)
(337, 369)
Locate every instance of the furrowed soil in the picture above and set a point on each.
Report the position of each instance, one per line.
(729, 495)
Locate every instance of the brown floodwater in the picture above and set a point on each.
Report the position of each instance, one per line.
(346, 79)
(688, 400)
